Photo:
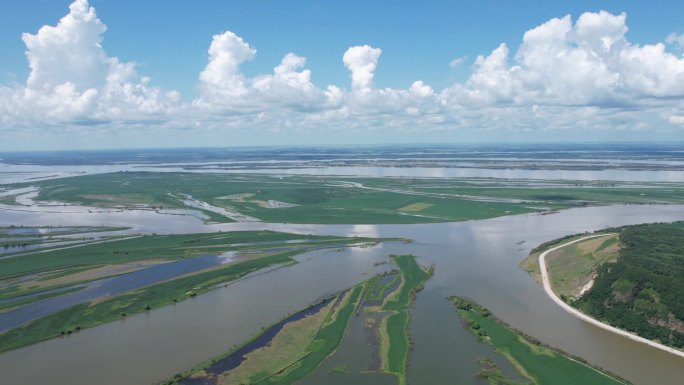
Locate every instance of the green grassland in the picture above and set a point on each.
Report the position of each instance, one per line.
(490, 371)
(290, 345)
(315, 199)
(540, 364)
(397, 354)
(371, 206)
(333, 200)
(573, 266)
(147, 247)
(34, 268)
(395, 343)
(531, 263)
(309, 355)
(326, 342)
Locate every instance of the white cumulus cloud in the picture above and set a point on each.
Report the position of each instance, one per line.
(361, 61)
(73, 80)
(225, 88)
(589, 62)
(222, 74)
(70, 52)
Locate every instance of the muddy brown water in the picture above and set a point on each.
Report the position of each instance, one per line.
(477, 259)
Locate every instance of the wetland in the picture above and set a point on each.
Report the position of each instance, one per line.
(318, 242)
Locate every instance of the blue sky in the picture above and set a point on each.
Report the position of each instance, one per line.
(169, 39)
(167, 42)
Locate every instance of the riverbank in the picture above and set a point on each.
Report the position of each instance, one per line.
(550, 292)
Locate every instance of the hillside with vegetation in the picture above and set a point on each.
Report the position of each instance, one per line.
(642, 291)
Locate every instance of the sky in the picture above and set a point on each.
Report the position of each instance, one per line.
(126, 74)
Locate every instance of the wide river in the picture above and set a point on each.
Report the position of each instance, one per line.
(477, 259)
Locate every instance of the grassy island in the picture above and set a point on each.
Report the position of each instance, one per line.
(296, 346)
(541, 365)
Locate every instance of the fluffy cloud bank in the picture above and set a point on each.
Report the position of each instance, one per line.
(563, 75)
(73, 81)
(586, 63)
(224, 88)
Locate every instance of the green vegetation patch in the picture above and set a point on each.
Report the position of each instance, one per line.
(560, 194)
(531, 263)
(150, 247)
(293, 353)
(494, 376)
(326, 200)
(51, 269)
(642, 290)
(541, 364)
(395, 342)
(397, 355)
(326, 342)
(87, 315)
(287, 347)
(572, 267)
(48, 270)
(376, 290)
(341, 200)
